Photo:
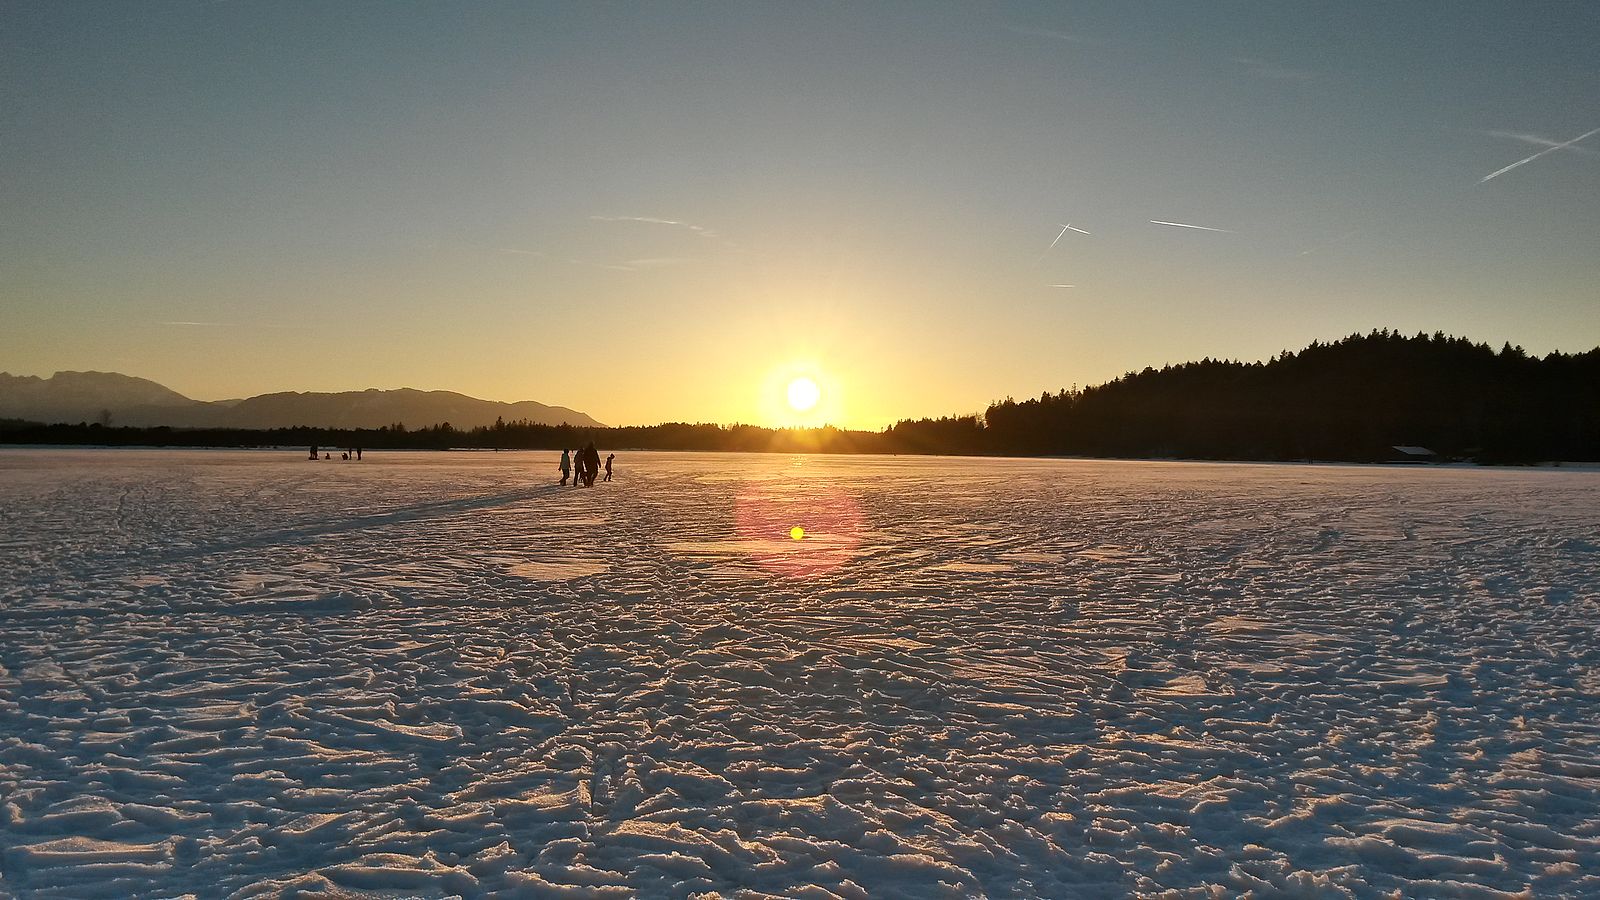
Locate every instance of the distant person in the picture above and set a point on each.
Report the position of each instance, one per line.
(327, 456)
(591, 464)
(609, 458)
(314, 453)
(345, 456)
(358, 454)
(565, 466)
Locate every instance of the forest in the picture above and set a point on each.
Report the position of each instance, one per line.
(1352, 400)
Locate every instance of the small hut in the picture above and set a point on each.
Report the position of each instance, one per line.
(1408, 454)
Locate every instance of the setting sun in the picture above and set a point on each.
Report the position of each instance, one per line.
(804, 391)
(803, 394)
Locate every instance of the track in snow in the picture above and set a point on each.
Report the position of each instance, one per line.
(245, 673)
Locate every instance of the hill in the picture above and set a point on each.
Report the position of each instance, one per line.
(374, 409)
(84, 396)
(114, 399)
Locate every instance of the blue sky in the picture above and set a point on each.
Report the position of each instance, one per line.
(659, 211)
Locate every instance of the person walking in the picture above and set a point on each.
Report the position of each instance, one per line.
(609, 458)
(591, 464)
(565, 465)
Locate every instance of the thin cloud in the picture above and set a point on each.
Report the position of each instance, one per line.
(518, 252)
(1263, 69)
(599, 265)
(1063, 285)
(1048, 33)
(1550, 149)
(653, 220)
(1196, 227)
(648, 220)
(657, 262)
(231, 325)
(1325, 245)
(634, 265)
(1541, 141)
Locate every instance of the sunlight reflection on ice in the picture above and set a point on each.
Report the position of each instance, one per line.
(972, 567)
(558, 570)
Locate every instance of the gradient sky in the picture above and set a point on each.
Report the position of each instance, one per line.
(663, 211)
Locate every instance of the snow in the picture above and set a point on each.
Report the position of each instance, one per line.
(241, 673)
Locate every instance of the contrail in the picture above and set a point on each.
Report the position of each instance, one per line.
(1059, 235)
(1046, 251)
(1200, 227)
(1551, 149)
(1063, 285)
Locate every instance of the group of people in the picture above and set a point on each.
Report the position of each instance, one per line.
(349, 453)
(583, 465)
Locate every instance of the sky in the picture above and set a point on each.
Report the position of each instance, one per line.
(669, 211)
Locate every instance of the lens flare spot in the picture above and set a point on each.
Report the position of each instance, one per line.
(829, 538)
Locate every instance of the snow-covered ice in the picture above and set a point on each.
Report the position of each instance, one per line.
(241, 673)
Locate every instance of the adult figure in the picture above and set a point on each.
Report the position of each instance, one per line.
(565, 465)
(591, 464)
(609, 458)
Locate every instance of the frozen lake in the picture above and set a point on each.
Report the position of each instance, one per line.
(243, 673)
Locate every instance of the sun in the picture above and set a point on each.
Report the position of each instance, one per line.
(803, 394)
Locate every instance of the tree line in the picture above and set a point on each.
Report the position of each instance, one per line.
(1350, 400)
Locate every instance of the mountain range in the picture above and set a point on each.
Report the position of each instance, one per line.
(115, 399)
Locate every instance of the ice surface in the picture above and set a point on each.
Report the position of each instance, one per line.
(244, 673)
